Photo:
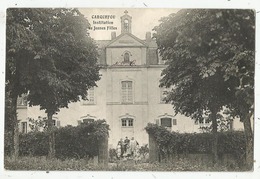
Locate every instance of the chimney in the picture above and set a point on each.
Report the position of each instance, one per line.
(148, 37)
(113, 35)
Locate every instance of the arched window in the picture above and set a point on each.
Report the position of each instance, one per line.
(126, 57)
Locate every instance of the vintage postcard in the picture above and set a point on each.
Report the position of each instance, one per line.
(130, 89)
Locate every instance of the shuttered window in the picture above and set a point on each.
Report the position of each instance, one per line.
(166, 122)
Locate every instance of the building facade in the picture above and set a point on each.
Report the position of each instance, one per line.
(128, 96)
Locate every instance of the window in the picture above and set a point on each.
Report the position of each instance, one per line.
(22, 100)
(126, 58)
(127, 92)
(127, 122)
(85, 121)
(130, 122)
(202, 123)
(24, 127)
(46, 122)
(90, 96)
(124, 122)
(163, 94)
(88, 120)
(168, 122)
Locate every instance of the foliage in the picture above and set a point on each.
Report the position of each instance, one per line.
(172, 143)
(37, 124)
(51, 56)
(71, 142)
(7, 143)
(210, 56)
(81, 141)
(43, 164)
(33, 144)
(144, 151)
(112, 155)
(56, 56)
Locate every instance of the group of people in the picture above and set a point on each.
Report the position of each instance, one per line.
(127, 149)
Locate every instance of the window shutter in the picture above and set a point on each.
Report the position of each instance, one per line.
(157, 122)
(58, 123)
(174, 121)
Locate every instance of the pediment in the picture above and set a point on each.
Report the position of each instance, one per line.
(126, 40)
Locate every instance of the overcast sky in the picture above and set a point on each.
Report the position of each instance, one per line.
(143, 20)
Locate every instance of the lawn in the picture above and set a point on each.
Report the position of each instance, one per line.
(44, 164)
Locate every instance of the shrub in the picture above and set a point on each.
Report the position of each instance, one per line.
(70, 142)
(33, 144)
(144, 151)
(7, 143)
(230, 142)
(81, 141)
(112, 155)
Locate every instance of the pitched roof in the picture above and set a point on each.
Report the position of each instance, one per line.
(131, 35)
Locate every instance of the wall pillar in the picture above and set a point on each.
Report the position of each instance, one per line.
(153, 150)
(103, 151)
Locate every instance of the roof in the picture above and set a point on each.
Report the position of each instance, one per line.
(131, 35)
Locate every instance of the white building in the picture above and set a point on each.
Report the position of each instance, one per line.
(128, 95)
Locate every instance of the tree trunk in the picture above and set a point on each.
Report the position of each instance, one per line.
(249, 141)
(15, 129)
(51, 152)
(215, 136)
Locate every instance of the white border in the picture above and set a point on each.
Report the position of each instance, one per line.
(242, 4)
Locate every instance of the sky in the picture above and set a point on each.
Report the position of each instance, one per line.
(143, 20)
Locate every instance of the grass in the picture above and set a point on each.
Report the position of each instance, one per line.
(44, 164)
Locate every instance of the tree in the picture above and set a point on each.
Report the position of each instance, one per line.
(60, 64)
(210, 56)
(21, 44)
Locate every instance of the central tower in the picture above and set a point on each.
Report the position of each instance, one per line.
(126, 23)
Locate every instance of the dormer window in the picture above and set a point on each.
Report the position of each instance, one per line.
(126, 57)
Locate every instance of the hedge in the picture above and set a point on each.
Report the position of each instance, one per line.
(230, 142)
(70, 142)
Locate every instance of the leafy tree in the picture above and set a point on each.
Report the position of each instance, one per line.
(21, 44)
(210, 56)
(55, 55)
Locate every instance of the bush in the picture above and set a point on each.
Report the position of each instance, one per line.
(33, 144)
(81, 141)
(112, 155)
(144, 151)
(7, 143)
(230, 142)
(70, 142)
